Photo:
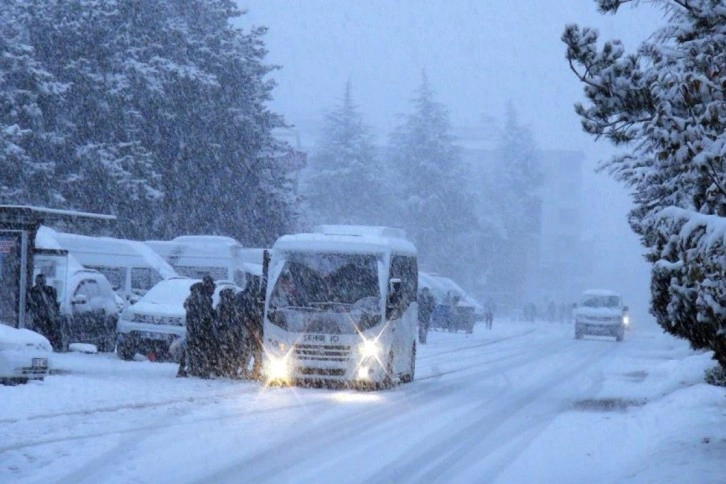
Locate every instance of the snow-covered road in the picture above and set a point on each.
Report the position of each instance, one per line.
(520, 403)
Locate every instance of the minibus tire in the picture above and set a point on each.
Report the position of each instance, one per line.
(408, 378)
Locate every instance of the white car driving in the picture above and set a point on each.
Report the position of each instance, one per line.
(151, 325)
(24, 355)
(601, 313)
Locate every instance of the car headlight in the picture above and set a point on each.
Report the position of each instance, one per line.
(370, 349)
(626, 320)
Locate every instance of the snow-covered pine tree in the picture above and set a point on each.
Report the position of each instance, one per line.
(512, 201)
(437, 210)
(664, 105)
(104, 166)
(29, 98)
(164, 119)
(345, 182)
(219, 159)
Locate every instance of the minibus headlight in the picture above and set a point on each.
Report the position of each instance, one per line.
(277, 368)
(370, 349)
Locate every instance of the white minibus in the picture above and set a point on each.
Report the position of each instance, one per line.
(340, 305)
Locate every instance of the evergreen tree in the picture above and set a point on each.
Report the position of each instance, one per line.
(163, 120)
(437, 210)
(346, 182)
(512, 204)
(104, 167)
(29, 141)
(665, 106)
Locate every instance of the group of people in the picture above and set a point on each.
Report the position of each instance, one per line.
(552, 312)
(224, 341)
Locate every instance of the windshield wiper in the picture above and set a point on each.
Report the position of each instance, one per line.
(303, 308)
(329, 304)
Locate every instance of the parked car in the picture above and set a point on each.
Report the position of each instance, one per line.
(90, 310)
(150, 326)
(602, 313)
(24, 355)
(454, 309)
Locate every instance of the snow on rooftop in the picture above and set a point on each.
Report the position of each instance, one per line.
(206, 239)
(342, 243)
(120, 252)
(362, 230)
(55, 211)
(214, 251)
(45, 238)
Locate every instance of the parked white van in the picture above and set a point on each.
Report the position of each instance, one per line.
(130, 266)
(223, 258)
(88, 304)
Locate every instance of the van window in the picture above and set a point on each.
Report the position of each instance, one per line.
(87, 288)
(197, 272)
(143, 279)
(115, 275)
(406, 269)
(240, 279)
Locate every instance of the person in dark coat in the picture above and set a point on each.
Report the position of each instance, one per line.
(200, 334)
(228, 329)
(44, 309)
(489, 313)
(426, 305)
(250, 307)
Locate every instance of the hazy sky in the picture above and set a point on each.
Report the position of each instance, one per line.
(478, 55)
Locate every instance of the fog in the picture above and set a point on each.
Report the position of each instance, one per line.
(478, 56)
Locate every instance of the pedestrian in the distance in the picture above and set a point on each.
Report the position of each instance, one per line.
(489, 313)
(426, 305)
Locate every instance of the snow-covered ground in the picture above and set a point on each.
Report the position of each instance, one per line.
(521, 403)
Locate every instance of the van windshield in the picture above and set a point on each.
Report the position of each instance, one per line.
(324, 280)
(601, 302)
(115, 275)
(143, 279)
(197, 272)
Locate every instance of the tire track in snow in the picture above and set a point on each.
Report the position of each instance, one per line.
(146, 428)
(128, 406)
(433, 461)
(283, 456)
(478, 345)
(136, 433)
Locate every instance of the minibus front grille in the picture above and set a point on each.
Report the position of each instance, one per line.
(322, 352)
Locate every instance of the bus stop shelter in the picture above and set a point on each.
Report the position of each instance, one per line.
(18, 227)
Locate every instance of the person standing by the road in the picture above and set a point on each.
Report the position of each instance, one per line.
(200, 337)
(489, 313)
(249, 304)
(43, 307)
(226, 328)
(426, 305)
